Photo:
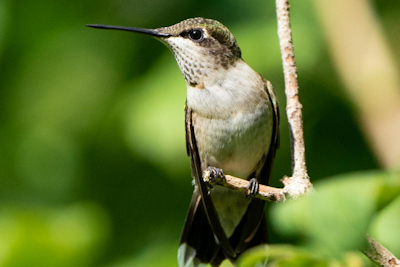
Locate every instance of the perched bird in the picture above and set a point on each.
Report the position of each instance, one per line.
(232, 120)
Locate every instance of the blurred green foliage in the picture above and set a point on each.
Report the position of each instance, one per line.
(93, 167)
(330, 224)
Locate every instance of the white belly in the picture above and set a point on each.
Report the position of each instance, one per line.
(236, 145)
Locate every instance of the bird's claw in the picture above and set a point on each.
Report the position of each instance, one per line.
(214, 175)
(253, 187)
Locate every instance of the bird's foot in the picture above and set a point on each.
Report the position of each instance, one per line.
(253, 187)
(213, 175)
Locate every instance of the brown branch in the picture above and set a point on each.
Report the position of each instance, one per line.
(379, 254)
(299, 183)
(265, 192)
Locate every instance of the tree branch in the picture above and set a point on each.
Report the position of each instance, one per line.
(379, 254)
(299, 183)
(265, 192)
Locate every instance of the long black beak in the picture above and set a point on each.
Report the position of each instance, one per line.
(151, 32)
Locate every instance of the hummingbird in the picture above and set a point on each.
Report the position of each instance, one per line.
(232, 127)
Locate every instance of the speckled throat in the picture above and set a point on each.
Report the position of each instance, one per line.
(197, 60)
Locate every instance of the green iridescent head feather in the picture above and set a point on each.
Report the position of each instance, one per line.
(213, 28)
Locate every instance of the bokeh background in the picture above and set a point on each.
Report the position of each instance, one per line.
(93, 166)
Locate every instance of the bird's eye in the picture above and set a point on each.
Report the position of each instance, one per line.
(196, 35)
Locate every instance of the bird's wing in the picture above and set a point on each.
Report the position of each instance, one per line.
(275, 131)
(202, 187)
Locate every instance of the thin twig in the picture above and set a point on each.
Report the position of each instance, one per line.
(265, 192)
(379, 254)
(299, 183)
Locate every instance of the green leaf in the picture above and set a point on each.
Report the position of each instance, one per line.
(280, 255)
(336, 218)
(386, 226)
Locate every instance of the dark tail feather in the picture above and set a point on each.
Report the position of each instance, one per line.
(197, 243)
(252, 229)
(261, 236)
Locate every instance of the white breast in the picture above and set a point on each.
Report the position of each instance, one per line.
(232, 120)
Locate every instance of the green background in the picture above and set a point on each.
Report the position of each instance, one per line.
(93, 166)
